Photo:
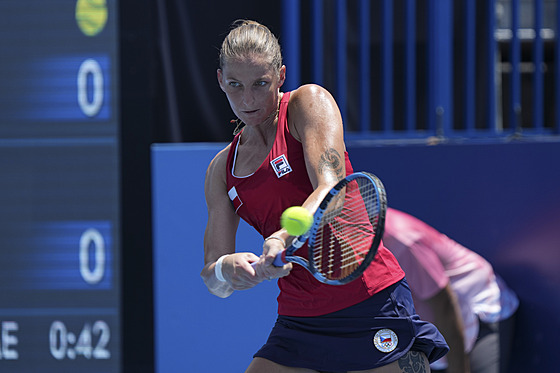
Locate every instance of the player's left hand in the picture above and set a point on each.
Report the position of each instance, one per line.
(264, 267)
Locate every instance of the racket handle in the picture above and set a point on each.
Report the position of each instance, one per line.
(279, 261)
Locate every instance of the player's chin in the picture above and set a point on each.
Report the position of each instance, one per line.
(253, 118)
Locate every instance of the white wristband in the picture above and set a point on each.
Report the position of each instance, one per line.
(218, 269)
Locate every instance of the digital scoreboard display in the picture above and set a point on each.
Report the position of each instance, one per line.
(59, 187)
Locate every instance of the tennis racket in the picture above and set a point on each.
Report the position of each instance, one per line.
(346, 231)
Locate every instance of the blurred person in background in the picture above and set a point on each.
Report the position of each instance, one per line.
(457, 290)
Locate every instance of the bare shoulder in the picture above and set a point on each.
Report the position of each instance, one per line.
(220, 159)
(309, 95)
(216, 172)
(312, 111)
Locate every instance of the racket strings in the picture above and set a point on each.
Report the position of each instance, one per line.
(345, 234)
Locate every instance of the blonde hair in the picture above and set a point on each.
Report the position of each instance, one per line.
(249, 38)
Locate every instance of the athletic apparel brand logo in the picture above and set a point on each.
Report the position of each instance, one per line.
(281, 166)
(234, 197)
(385, 340)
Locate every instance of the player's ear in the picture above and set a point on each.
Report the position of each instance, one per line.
(220, 77)
(282, 76)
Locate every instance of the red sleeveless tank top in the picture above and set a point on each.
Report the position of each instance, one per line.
(281, 181)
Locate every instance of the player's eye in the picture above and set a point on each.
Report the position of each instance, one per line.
(234, 84)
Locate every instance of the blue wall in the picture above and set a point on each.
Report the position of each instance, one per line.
(499, 200)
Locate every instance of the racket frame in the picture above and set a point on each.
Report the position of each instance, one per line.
(299, 241)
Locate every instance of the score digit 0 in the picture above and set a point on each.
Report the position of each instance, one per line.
(92, 274)
(90, 107)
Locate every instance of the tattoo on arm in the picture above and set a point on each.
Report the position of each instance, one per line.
(414, 362)
(331, 160)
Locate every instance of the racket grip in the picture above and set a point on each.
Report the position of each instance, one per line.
(278, 261)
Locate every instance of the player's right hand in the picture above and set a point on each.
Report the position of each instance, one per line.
(237, 270)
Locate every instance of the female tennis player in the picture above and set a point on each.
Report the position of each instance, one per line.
(289, 152)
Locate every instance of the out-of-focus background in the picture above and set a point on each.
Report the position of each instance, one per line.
(110, 112)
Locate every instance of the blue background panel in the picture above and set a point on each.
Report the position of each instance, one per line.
(500, 200)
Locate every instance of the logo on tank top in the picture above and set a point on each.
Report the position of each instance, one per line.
(385, 340)
(281, 166)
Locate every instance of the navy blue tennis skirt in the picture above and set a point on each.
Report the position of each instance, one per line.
(368, 335)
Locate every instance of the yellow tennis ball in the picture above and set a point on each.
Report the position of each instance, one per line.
(91, 16)
(296, 220)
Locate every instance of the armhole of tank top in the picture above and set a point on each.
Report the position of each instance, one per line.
(234, 160)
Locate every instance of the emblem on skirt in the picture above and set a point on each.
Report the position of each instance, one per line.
(385, 340)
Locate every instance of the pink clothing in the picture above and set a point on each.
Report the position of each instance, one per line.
(260, 198)
(430, 260)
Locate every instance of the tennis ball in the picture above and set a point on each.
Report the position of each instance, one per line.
(296, 220)
(91, 16)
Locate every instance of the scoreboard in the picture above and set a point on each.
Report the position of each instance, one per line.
(59, 187)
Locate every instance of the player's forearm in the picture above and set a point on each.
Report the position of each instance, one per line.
(219, 288)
